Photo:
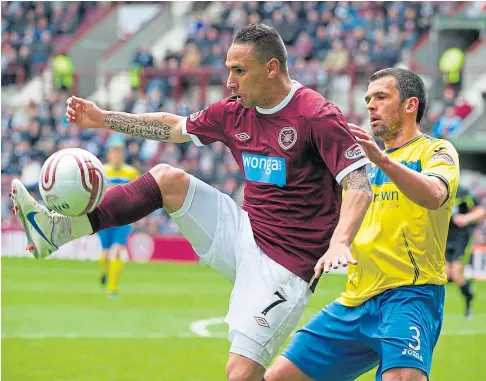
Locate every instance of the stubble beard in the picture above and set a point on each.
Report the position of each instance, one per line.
(389, 132)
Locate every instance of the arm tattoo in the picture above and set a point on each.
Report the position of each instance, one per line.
(358, 179)
(138, 125)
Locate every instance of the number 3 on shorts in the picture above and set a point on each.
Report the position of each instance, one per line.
(281, 299)
(416, 337)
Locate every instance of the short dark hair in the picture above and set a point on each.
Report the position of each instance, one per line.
(266, 42)
(409, 85)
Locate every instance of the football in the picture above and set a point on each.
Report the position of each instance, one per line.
(72, 182)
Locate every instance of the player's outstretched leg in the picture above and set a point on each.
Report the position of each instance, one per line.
(45, 230)
(123, 204)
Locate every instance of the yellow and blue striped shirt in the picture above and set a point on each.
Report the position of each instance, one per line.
(399, 242)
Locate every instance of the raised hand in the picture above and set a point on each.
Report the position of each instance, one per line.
(367, 141)
(84, 113)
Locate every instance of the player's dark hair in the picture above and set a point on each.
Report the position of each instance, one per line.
(409, 85)
(266, 42)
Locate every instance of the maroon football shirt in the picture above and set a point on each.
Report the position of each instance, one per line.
(293, 157)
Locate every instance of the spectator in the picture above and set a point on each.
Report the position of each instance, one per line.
(338, 57)
(143, 58)
(304, 46)
(353, 39)
(362, 56)
(216, 59)
(322, 43)
(235, 16)
(156, 100)
(191, 58)
(448, 125)
(462, 107)
(42, 50)
(312, 22)
(63, 70)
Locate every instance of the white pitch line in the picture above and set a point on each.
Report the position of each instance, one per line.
(200, 327)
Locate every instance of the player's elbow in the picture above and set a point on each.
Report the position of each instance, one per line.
(435, 194)
(434, 201)
(365, 198)
(177, 132)
(433, 205)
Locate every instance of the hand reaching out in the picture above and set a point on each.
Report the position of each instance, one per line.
(368, 143)
(337, 254)
(84, 113)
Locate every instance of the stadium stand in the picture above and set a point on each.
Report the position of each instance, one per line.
(30, 30)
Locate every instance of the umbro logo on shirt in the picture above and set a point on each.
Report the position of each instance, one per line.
(242, 136)
(195, 115)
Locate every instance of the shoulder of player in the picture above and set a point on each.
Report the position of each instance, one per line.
(230, 103)
(225, 105)
(315, 105)
(439, 151)
(438, 145)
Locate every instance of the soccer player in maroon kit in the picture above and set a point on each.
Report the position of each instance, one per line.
(296, 153)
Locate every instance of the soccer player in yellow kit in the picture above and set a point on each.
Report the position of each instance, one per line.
(114, 240)
(391, 312)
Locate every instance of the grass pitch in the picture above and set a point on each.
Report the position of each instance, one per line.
(59, 325)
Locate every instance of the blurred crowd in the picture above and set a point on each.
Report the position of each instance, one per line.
(29, 31)
(324, 36)
(445, 116)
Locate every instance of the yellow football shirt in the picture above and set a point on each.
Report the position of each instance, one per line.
(399, 242)
(123, 175)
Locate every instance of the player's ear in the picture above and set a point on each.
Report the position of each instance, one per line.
(273, 67)
(411, 105)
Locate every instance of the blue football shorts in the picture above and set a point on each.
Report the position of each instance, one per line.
(396, 329)
(116, 235)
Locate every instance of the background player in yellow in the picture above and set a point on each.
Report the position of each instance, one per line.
(114, 240)
(391, 312)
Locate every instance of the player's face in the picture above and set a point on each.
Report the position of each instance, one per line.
(384, 108)
(116, 156)
(247, 77)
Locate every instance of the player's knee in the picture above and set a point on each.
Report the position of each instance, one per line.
(118, 251)
(168, 177)
(275, 373)
(404, 374)
(243, 369)
(173, 184)
(456, 271)
(284, 370)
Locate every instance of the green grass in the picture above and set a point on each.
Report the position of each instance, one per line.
(58, 325)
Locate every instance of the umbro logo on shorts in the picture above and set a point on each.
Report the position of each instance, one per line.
(261, 321)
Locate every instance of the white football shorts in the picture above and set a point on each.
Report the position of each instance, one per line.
(267, 300)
